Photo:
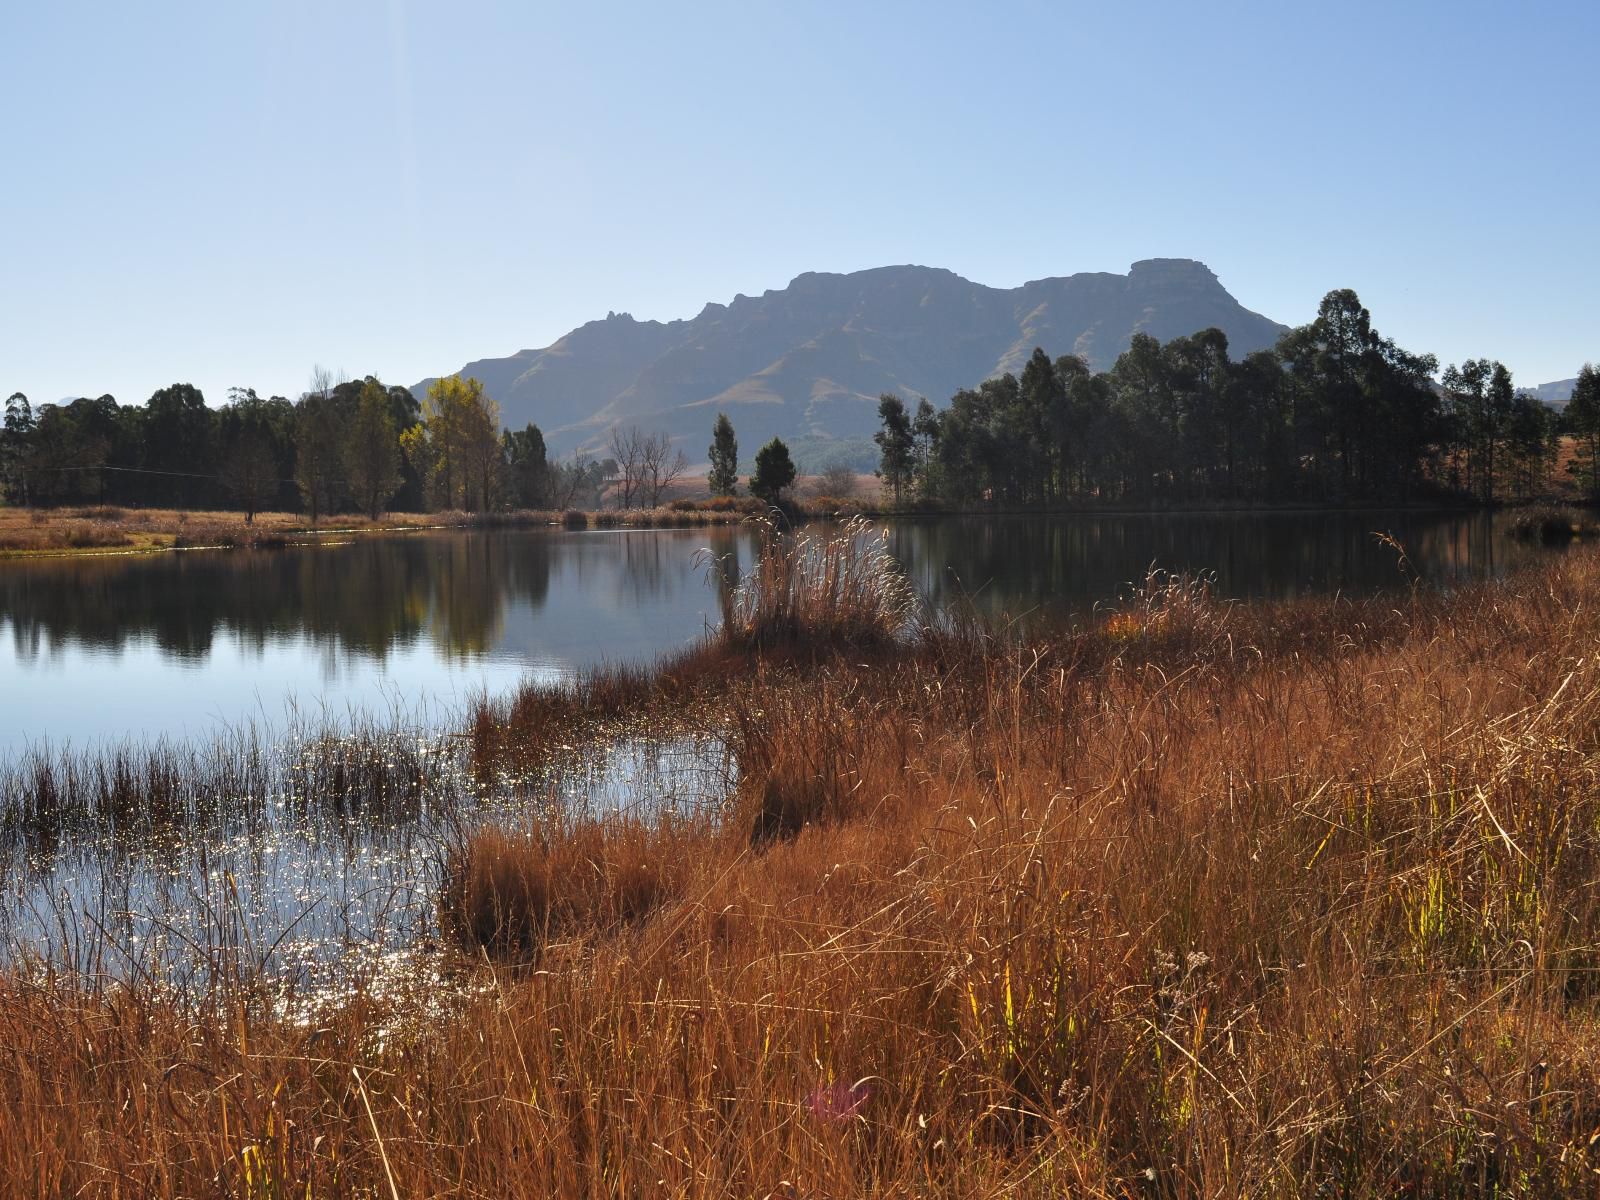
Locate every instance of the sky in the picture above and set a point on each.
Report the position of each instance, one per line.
(230, 194)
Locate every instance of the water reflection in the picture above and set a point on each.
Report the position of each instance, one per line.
(179, 644)
(182, 644)
(1021, 565)
(363, 598)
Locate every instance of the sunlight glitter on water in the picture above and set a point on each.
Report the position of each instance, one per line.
(302, 894)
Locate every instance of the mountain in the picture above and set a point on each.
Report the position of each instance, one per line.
(1554, 394)
(808, 362)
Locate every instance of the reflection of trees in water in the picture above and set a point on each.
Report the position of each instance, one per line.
(1020, 564)
(475, 578)
(376, 594)
(364, 598)
(723, 565)
(645, 566)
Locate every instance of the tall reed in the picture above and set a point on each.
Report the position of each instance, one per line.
(834, 586)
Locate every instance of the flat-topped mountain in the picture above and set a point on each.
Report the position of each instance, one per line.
(809, 361)
(1554, 394)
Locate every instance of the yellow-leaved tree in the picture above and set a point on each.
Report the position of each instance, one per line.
(456, 445)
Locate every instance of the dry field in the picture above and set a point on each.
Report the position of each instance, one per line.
(1195, 900)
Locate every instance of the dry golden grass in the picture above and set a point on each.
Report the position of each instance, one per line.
(1202, 900)
(106, 528)
(832, 589)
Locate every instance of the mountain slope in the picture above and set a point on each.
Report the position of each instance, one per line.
(810, 360)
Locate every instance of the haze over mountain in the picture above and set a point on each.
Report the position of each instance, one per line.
(808, 361)
(1554, 394)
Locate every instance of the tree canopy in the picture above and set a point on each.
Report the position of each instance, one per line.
(774, 473)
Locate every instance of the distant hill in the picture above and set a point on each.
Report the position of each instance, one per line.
(1554, 394)
(808, 362)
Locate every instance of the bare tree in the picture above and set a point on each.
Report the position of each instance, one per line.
(837, 481)
(663, 466)
(647, 465)
(628, 448)
(570, 480)
(642, 461)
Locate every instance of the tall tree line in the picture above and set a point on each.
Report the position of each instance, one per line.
(175, 451)
(1336, 413)
(343, 445)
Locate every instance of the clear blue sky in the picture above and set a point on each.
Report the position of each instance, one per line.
(229, 192)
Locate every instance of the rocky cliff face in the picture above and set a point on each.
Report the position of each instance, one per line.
(810, 360)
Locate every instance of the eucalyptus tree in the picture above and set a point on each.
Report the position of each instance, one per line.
(372, 458)
(724, 453)
(14, 447)
(1583, 419)
(896, 444)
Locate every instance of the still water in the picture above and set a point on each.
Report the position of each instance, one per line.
(254, 662)
(188, 645)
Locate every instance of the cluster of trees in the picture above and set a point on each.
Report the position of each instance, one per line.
(344, 444)
(775, 471)
(338, 445)
(1335, 413)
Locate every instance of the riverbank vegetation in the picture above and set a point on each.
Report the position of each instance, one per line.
(1189, 899)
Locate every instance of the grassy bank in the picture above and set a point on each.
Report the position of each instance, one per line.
(109, 530)
(1194, 900)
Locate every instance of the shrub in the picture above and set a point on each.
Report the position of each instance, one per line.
(835, 482)
(83, 537)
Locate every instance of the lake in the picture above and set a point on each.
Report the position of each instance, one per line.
(189, 644)
(262, 665)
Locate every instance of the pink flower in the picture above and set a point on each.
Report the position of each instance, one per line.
(838, 1101)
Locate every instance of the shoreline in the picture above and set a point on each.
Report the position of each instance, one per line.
(101, 532)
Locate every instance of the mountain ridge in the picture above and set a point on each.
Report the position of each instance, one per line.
(809, 360)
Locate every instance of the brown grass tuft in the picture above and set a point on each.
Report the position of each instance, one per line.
(508, 893)
(822, 590)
